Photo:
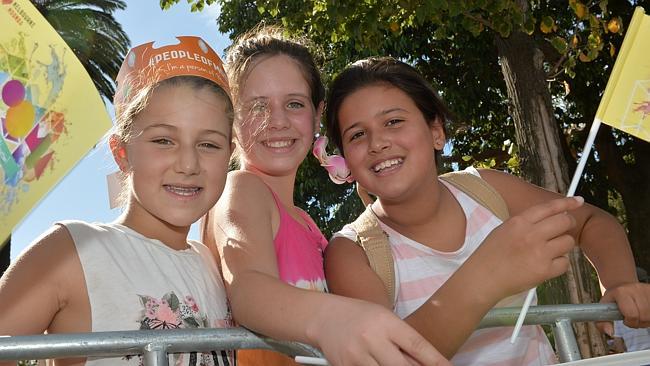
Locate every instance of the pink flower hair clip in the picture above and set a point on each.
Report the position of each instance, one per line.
(334, 164)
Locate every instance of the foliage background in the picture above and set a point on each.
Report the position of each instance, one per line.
(454, 44)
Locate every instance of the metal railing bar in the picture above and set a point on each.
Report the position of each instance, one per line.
(548, 314)
(567, 347)
(161, 342)
(107, 344)
(155, 355)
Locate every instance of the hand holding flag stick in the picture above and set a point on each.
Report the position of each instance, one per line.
(625, 105)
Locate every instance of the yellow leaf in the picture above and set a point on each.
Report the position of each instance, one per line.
(394, 27)
(575, 40)
(614, 25)
(581, 10)
(547, 25)
(612, 50)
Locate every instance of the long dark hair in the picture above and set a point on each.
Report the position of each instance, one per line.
(382, 70)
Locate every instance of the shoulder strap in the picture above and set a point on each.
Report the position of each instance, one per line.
(374, 242)
(479, 190)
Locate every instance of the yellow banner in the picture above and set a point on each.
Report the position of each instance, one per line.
(50, 112)
(626, 101)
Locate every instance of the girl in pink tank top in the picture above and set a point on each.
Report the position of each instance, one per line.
(270, 250)
(299, 250)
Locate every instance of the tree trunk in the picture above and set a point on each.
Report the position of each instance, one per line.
(5, 251)
(541, 156)
(540, 153)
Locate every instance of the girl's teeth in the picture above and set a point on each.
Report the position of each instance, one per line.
(183, 191)
(386, 164)
(278, 144)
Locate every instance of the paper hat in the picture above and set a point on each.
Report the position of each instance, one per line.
(145, 65)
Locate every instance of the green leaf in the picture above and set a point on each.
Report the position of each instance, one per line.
(560, 45)
(547, 24)
(440, 33)
(603, 6)
(455, 8)
(261, 9)
(504, 28)
(172, 300)
(190, 322)
(472, 26)
(594, 41)
(439, 4)
(529, 25)
(594, 22)
(466, 158)
(164, 5)
(513, 163)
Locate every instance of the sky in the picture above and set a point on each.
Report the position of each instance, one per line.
(82, 194)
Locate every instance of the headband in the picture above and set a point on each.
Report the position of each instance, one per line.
(145, 65)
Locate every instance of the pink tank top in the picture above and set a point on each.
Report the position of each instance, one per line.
(299, 251)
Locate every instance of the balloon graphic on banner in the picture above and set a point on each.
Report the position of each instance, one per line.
(20, 115)
(13, 93)
(20, 119)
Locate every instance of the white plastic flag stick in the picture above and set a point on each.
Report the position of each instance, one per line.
(572, 190)
(583, 158)
(306, 360)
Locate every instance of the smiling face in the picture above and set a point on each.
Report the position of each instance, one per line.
(388, 145)
(177, 158)
(276, 119)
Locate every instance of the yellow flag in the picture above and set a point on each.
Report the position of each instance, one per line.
(626, 101)
(50, 112)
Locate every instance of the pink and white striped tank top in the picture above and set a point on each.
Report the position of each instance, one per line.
(420, 271)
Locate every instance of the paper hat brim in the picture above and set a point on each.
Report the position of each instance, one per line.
(145, 65)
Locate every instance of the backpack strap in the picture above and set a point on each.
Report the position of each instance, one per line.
(374, 242)
(479, 190)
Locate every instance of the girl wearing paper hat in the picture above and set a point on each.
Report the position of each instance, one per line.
(172, 144)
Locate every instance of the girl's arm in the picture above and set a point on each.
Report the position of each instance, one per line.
(531, 244)
(602, 239)
(348, 331)
(40, 287)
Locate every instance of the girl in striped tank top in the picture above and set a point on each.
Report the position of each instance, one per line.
(454, 260)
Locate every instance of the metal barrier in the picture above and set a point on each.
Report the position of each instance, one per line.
(558, 316)
(155, 344)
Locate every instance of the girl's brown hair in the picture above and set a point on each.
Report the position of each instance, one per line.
(383, 70)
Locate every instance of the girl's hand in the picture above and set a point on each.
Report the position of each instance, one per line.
(529, 248)
(633, 300)
(356, 332)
